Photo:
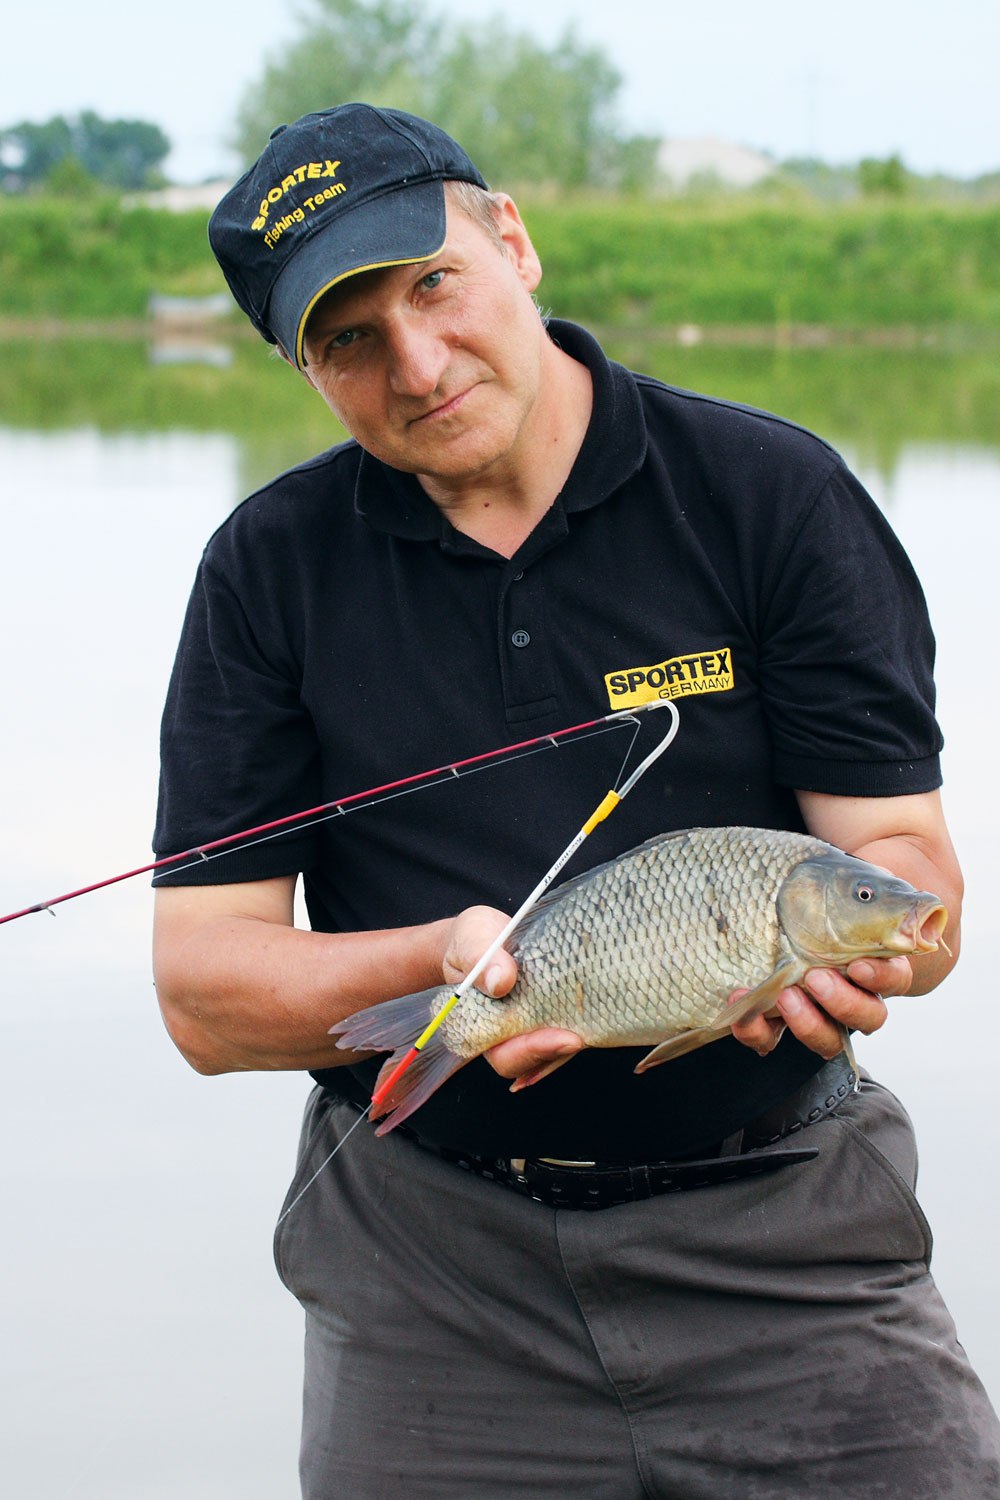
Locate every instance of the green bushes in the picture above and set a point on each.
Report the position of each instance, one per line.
(79, 258)
(627, 264)
(854, 266)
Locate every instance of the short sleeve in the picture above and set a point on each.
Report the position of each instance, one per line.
(237, 747)
(847, 654)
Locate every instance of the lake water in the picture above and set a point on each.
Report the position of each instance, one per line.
(148, 1350)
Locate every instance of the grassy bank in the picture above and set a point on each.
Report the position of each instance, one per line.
(629, 265)
(93, 259)
(856, 266)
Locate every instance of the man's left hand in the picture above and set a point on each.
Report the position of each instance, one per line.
(818, 1010)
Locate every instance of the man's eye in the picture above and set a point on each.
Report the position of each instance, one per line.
(343, 340)
(431, 280)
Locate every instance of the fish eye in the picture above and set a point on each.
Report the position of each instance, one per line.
(864, 893)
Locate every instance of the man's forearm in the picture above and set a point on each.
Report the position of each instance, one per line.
(239, 991)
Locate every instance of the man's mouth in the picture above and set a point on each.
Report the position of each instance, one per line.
(443, 409)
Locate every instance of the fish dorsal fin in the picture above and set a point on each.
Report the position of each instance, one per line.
(557, 892)
(754, 1003)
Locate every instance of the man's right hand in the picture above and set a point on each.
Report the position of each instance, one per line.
(524, 1059)
(473, 930)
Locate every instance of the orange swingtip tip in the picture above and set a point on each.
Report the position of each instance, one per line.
(397, 1072)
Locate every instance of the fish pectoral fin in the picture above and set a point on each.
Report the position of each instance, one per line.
(755, 1002)
(758, 1001)
(849, 1053)
(688, 1041)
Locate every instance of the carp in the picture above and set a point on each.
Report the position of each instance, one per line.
(647, 948)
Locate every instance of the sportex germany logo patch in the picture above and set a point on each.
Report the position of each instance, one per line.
(677, 677)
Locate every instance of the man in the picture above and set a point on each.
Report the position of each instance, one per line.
(522, 536)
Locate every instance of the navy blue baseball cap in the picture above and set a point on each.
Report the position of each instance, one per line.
(348, 189)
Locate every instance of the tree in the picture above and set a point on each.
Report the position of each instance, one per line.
(527, 115)
(122, 154)
(69, 178)
(29, 152)
(524, 113)
(380, 51)
(882, 179)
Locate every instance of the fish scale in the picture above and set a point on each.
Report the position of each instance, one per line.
(663, 947)
(648, 948)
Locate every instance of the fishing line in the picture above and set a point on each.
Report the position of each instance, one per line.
(324, 1163)
(636, 726)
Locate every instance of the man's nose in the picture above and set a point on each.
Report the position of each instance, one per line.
(417, 358)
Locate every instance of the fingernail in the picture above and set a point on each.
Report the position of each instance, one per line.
(790, 1003)
(863, 974)
(819, 983)
(492, 977)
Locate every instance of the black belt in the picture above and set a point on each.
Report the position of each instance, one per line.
(574, 1184)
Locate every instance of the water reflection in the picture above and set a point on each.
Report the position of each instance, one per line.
(148, 1321)
(877, 400)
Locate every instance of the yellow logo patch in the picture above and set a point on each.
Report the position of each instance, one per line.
(677, 677)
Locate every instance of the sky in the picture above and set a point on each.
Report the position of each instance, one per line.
(864, 78)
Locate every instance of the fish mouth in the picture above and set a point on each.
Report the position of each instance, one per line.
(924, 924)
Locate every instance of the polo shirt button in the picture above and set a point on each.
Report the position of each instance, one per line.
(518, 576)
(520, 638)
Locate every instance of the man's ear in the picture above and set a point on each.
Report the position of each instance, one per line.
(517, 242)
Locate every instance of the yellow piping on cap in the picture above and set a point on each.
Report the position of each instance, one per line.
(378, 265)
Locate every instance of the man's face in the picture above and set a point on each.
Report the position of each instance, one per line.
(435, 368)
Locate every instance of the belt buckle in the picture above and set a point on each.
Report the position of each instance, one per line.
(519, 1165)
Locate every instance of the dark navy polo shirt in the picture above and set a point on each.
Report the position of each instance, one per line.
(342, 634)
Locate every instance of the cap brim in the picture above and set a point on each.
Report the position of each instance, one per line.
(397, 229)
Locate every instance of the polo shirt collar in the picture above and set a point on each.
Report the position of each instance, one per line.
(613, 449)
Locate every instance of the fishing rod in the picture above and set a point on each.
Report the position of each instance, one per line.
(602, 811)
(217, 848)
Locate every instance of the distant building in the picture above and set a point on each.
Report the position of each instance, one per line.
(180, 200)
(679, 161)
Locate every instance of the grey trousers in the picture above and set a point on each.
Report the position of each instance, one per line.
(778, 1338)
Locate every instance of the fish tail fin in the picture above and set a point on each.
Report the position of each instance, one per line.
(395, 1025)
(430, 1067)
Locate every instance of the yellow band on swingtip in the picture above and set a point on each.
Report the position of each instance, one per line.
(608, 806)
(429, 1031)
